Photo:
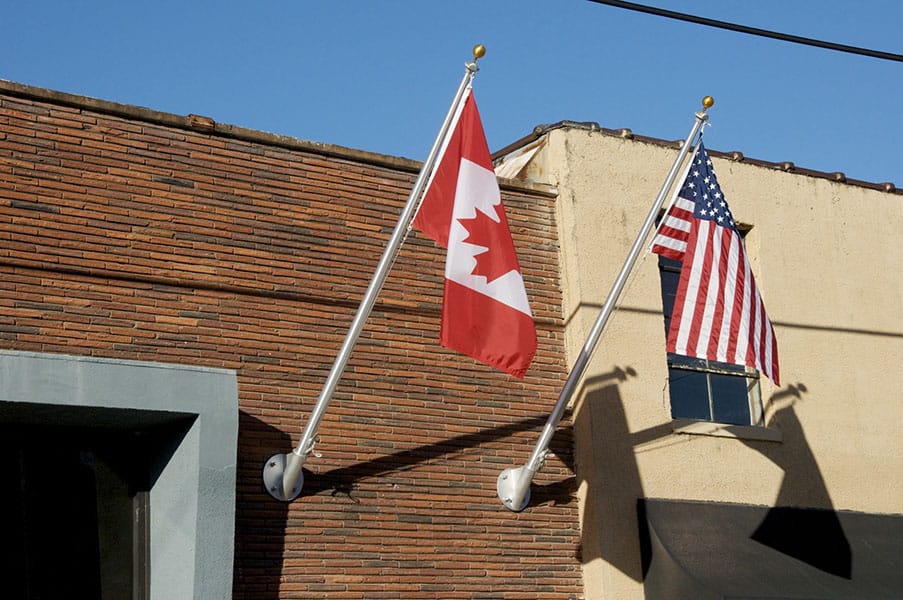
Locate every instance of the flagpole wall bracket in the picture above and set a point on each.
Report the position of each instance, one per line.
(513, 487)
(274, 472)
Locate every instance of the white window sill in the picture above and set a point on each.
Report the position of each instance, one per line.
(743, 432)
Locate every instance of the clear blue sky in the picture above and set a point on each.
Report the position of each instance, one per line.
(379, 75)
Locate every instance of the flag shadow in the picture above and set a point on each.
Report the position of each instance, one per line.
(802, 523)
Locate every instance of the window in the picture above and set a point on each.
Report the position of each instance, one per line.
(703, 389)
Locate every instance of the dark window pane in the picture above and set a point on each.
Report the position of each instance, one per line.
(689, 395)
(670, 274)
(731, 399)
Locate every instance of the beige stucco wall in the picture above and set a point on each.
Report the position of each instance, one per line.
(825, 258)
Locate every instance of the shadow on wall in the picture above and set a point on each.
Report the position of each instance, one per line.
(611, 478)
(611, 528)
(261, 556)
(812, 536)
(343, 481)
(260, 520)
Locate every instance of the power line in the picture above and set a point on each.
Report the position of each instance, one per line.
(670, 14)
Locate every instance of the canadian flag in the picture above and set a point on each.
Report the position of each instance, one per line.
(485, 312)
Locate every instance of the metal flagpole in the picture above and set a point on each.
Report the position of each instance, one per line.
(282, 474)
(513, 485)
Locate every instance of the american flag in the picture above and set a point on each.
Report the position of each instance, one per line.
(718, 312)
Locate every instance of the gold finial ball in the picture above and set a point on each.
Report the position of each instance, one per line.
(708, 102)
(479, 51)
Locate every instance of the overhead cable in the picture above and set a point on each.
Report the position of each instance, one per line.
(670, 14)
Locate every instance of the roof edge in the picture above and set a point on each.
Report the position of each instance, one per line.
(199, 123)
(837, 176)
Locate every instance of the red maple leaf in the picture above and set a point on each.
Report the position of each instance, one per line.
(499, 258)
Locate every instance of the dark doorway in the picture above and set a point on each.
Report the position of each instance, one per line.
(74, 499)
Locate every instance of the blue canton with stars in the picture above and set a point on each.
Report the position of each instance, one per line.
(701, 187)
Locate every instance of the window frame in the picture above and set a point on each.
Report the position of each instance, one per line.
(190, 506)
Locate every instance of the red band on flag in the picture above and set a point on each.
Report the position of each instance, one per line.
(487, 330)
(485, 312)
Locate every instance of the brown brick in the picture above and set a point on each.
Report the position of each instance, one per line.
(133, 239)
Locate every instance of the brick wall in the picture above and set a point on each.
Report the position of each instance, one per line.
(131, 234)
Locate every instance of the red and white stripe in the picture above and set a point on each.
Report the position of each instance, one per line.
(718, 312)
